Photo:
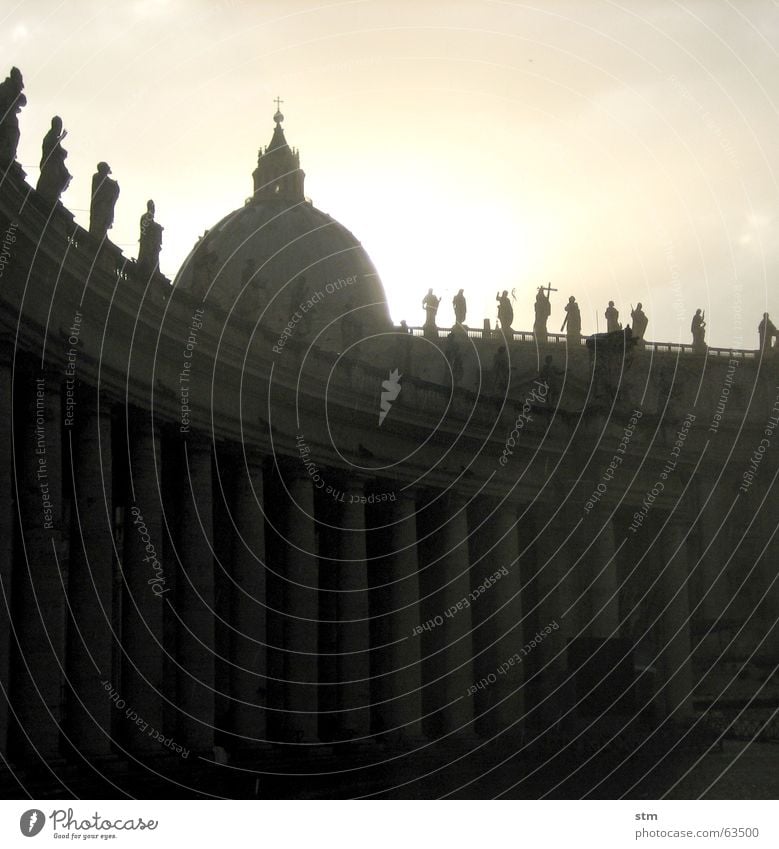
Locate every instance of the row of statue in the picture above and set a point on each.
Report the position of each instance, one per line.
(572, 324)
(54, 177)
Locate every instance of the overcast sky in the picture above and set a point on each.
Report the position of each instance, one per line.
(620, 151)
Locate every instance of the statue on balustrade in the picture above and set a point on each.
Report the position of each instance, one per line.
(54, 177)
(698, 330)
(572, 321)
(150, 242)
(612, 318)
(543, 310)
(430, 304)
(767, 331)
(505, 311)
(460, 307)
(640, 322)
(105, 193)
(12, 100)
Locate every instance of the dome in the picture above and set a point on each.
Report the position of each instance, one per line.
(281, 261)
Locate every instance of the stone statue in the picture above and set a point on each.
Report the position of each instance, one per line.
(105, 193)
(640, 322)
(767, 331)
(698, 330)
(11, 102)
(573, 320)
(430, 304)
(460, 307)
(543, 310)
(505, 311)
(150, 242)
(54, 177)
(612, 318)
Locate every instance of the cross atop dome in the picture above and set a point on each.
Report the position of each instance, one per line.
(278, 117)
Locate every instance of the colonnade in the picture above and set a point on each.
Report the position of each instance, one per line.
(404, 628)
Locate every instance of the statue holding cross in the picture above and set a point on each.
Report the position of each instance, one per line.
(543, 310)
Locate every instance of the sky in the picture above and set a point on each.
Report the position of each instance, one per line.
(619, 151)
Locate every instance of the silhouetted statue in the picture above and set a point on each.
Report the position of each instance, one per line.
(573, 321)
(54, 177)
(404, 327)
(105, 192)
(500, 369)
(460, 307)
(612, 318)
(150, 242)
(640, 322)
(698, 330)
(11, 102)
(767, 331)
(454, 358)
(543, 310)
(430, 304)
(505, 311)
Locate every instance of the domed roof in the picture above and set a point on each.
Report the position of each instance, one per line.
(279, 259)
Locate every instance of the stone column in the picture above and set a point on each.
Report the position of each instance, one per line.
(90, 587)
(498, 632)
(603, 588)
(397, 693)
(6, 540)
(40, 615)
(195, 599)
(352, 635)
(301, 622)
(556, 582)
(248, 677)
(448, 646)
(673, 629)
(147, 578)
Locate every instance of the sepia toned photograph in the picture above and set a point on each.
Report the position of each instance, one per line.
(389, 405)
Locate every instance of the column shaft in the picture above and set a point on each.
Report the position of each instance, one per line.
(38, 691)
(352, 637)
(249, 683)
(90, 586)
(448, 646)
(195, 601)
(146, 580)
(302, 614)
(397, 693)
